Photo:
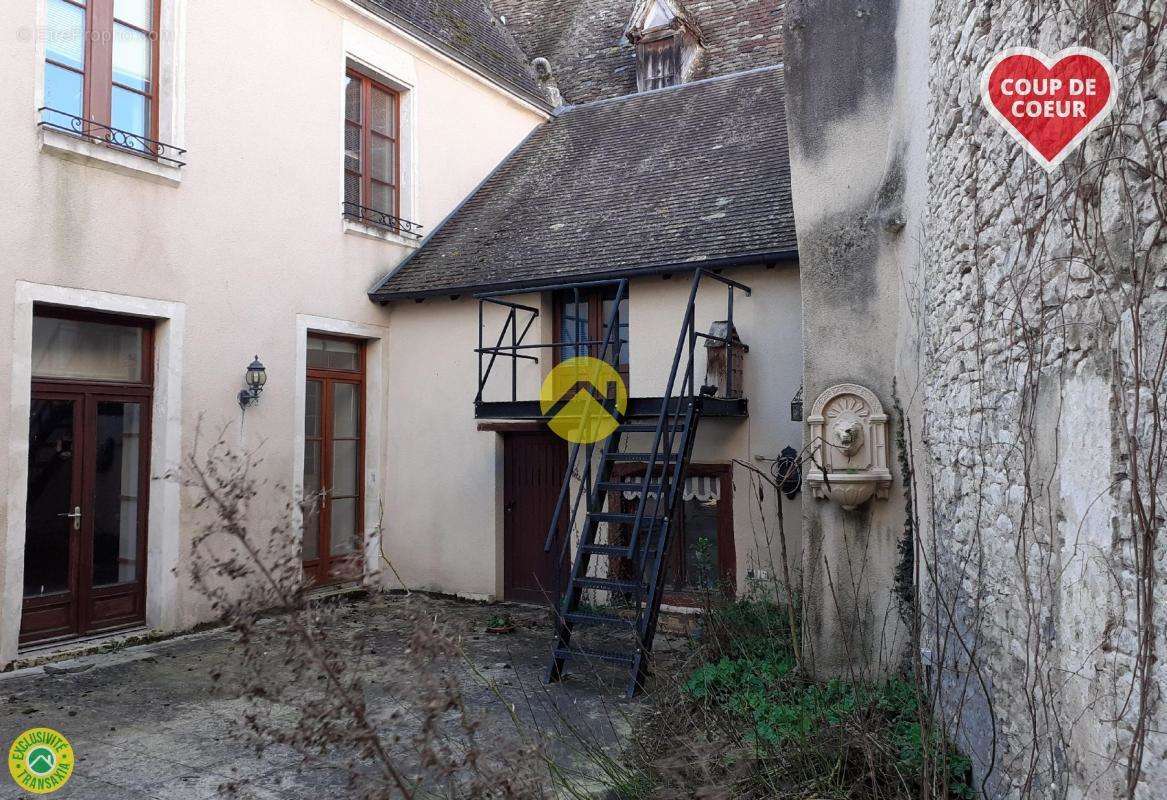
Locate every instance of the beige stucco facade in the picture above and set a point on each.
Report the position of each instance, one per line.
(240, 252)
(445, 529)
(243, 251)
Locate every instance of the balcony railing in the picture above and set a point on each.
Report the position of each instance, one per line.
(116, 138)
(511, 345)
(380, 219)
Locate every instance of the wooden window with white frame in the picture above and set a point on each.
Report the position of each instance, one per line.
(101, 69)
(372, 125)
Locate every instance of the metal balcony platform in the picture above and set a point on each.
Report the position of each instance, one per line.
(638, 408)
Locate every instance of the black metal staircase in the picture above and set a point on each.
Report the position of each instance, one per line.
(619, 553)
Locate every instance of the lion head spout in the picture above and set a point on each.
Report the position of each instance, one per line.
(849, 435)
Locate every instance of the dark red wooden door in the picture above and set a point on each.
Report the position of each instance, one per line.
(85, 546)
(533, 469)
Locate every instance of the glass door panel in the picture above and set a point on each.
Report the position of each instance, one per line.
(344, 488)
(53, 497)
(313, 468)
(116, 493)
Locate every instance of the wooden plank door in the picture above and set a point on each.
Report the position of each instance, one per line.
(533, 467)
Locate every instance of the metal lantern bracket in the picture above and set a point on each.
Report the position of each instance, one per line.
(254, 379)
(796, 407)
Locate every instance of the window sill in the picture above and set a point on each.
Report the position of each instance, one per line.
(358, 228)
(103, 156)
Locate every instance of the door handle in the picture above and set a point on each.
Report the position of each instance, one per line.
(76, 517)
(324, 498)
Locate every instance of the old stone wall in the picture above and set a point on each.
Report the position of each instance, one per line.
(1041, 301)
(1017, 316)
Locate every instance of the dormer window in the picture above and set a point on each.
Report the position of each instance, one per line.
(658, 63)
(667, 44)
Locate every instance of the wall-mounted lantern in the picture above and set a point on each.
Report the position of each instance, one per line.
(255, 379)
(724, 355)
(796, 407)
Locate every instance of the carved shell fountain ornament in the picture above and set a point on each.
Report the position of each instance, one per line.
(849, 433)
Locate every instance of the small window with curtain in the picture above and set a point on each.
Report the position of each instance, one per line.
(101, 72)
(372, 152)
(581, 323)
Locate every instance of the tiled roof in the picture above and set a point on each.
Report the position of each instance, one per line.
(469, 32)
(658, 181)
(583, 40)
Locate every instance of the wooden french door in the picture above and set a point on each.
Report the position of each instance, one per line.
(334, 445)
(88, 485)
(533, 467)
(582, 316)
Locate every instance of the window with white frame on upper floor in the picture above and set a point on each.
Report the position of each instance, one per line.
(101, 73)
(372, 154)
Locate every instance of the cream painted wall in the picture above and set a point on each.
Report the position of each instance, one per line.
(248, 236)
(444, 528)
(770, 323)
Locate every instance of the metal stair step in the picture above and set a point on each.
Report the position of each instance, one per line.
(647, 427)
(591, 654)
(624, 519)
(616, 550)
(635, 457)
(584, 618)
(608, 486)
(608, 584)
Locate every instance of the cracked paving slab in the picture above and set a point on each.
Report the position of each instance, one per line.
(149, 722)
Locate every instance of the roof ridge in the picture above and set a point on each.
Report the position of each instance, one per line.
(705, 181)
(621, 98)
(533, 93)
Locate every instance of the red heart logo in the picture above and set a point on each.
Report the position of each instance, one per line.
(1049, 104)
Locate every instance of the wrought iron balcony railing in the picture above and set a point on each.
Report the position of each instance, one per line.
(380, 219)
(114, 137)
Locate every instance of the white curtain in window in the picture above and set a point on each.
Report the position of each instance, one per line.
(703, 489)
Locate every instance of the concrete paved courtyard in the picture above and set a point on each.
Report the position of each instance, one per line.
(150, 722)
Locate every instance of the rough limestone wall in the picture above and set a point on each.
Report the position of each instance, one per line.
(1043, 300)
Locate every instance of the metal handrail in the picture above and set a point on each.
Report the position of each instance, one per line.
(585, 484)
(381, 219)
(673, 403)
(128, 141)
(666, 420)
(512, 351)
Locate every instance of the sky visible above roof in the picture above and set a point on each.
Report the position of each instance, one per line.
(657, 181)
